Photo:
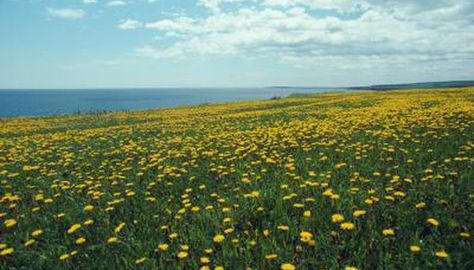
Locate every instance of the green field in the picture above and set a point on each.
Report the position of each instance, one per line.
(367, 180)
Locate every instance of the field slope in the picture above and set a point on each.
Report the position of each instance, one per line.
(369, 180)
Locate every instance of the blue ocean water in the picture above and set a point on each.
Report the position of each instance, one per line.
(53, 102)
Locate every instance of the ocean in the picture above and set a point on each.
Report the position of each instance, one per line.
(66, 101)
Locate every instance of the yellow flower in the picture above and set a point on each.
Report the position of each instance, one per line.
(140, 261)
(287, 266)
(271, 256)
(182, 254)
(163, 247)
(204, 267)
(74, 228)
(37, 233)
(465, 234)
(336, 218)
(415, 248)
(441, 254)
(6, 251)
(307, 213)
(359, 213)
(218, 238)
(350, 268)
(283, 228)
(112, 240)
(88, 222)
(347, 226)
(433, 222)
(205, 260)
(64, 257)
(29, 242)
(119, 227)
(388, 232)
(173, 236)
(80, 241)
(306, 236)
(219, 268)
(10, 223)
(88, 207)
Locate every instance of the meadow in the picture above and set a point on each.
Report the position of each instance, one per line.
(365, 180)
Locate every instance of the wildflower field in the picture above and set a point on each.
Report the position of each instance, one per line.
(366, 180)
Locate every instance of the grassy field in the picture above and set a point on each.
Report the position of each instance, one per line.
(365, 180)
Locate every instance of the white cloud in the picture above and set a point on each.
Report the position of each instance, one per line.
(129, 24)
(66, 13)
(352, 35)
(89, 1)
(116, 3)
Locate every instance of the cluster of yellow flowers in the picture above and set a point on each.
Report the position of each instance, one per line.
(331, 181)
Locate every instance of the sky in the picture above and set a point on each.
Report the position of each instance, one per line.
(233, 43)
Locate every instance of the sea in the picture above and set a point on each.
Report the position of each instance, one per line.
(40, 102)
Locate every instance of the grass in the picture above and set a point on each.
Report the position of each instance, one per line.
(330, 181)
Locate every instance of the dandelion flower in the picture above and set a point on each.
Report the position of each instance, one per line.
(163, 247)
(388, 232)
(433, 222)
(140, 261)
(182, 254)
(336, 218)
(218, 238)
(348, 226)
(6, 251)
(73, 228)
(306, 236)
(441, 254)
(287, 266)
(415, 248)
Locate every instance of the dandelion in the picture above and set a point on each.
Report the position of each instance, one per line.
(29, 242)
(218, 238)
(141, 260)
(112, 240)
(348, 226)
(88, 208)
(80, 240)
(119, 227)
(271, 256)
(441, 254)
(10, 223)
(6, 251)
(433, 222)
(359, 213)
(415, 248)
(336, 218)
(163, 247)
(64, 257)
(204, 260)
(306, 236)
(287, 266)
(37, 233)
(73, 228)
(388, 232)
(307, 214)
(182, 254)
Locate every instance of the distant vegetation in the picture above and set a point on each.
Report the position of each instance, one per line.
(450, 84)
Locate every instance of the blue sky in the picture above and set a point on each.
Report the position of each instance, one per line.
(233, 43)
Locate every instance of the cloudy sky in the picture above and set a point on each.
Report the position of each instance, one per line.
(233, 43)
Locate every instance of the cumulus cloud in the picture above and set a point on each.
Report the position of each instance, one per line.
(116, 3)
(321, 33)
(89, 1)
(129, 24)
(66, 13)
